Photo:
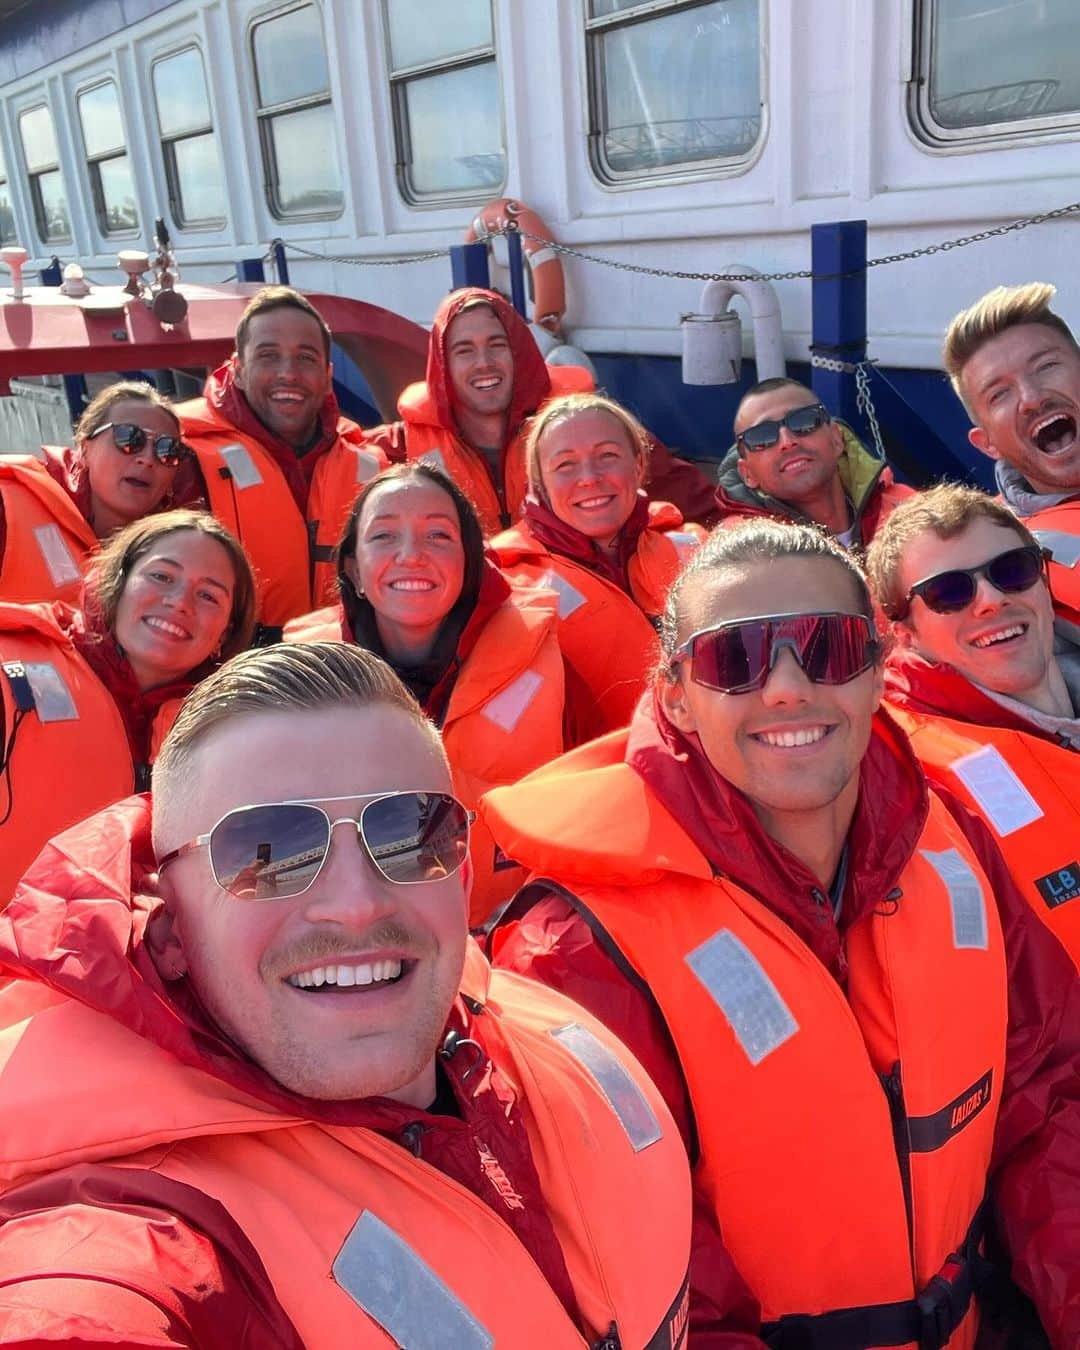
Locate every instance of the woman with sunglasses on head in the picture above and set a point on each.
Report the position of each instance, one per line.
(823, 965)
(589, 531)
(55, 510)
(986, 682)
(87, 695)
(481, 657)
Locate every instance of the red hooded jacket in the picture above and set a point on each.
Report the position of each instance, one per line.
(130, 1258)
(1035, 1177)
(431, 401)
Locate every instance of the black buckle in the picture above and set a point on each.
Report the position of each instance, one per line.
(941, 1306)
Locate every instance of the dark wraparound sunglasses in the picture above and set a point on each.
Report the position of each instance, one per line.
(800, 422)
(277, 850)
(737, 657)
(949, 592)
(129, 439)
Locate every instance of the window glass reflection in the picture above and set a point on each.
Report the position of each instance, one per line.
(199, 178)
(305, 157)
(38, 138)
(455, 130)
(422, 31)
(118, 195)
(99, 112)
(290, 57)
(55, 221)
(180, 93)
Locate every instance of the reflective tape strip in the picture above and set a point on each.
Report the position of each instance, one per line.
(52, 698)
(368, 465)
(996, 789)
(398, 1289)
(508, 706)
(63, 569)
(744, 993)
(570, 598)
(435, 459)
(965, 898)
(684, 542)
(611, 1076)
(245, 472)
(1065, 548)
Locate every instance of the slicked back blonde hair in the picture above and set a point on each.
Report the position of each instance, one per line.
(301, 676)
(570, 405)
(946, 511)
(1003, 307)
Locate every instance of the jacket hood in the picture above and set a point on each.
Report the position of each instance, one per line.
(1020, 495)
(861, 473)
(532, 382)
(73, 941)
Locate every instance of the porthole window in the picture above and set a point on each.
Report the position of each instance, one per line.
(444, 85)
(674, 88)
(43, 169)
(188, 143)
(296, 122)
(991, 71)
(111, 184)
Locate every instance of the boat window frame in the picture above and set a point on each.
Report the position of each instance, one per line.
(33, 177)
(399, 79)
(168, 144)
(93, 162)
(931, 133)
(721, 166)
(266, 115)
(5, 182)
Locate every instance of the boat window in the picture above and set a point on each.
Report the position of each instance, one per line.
(995, 69)
(111, 183)
(7, 211)
(188, 144)
(43, 168)
(674, 88)
(447, 110)
(296, 122)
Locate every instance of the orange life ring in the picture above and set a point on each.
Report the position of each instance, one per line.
(545, 267)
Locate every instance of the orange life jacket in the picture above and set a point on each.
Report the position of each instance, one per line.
(426, 439)
(606, 637)
(49, 543)
(68, 754)
(1028, 791)
(364, 1244)
(1057, 528)
(822, 1120)
(249, 495)
(504, 718)
(338, 478)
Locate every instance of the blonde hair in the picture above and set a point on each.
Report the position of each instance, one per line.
(1003, 307)
(570, 405)
(113, 563)
(946, 510)
(96, 413)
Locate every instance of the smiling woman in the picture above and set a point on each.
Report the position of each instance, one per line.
(87, 695)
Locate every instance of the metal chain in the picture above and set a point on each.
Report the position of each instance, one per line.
(864, 402)
(802, 274)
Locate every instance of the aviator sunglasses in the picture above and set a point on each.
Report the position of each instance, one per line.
(277, 850)
(737, 657)
(800, 422)
(129, 439)
(949, 592)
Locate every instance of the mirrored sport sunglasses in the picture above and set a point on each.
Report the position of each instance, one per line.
(1018, 569)
(277, 850)
(129, 439)
(800, 422)
(737, 657)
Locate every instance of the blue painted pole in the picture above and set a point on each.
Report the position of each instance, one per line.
(52, 275)
(280, 262)
(250, 269)
(517, 272)
(469, 265)
(838, 251)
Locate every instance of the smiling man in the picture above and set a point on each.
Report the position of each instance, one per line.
(1015, 365)
(825, 966)
(985, 687)
(792, 461)
(279, 465)
(296, 1107)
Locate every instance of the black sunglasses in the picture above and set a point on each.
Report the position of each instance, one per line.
(737, 657)
(800, 422)
(129, 439)
(276, 850)
(1018, 569)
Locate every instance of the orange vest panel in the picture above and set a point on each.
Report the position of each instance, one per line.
(1058, 529)
(339, 476)
(1028, 792)
(49, 544)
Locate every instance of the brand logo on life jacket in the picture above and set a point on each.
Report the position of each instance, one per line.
(671, 1334)
(681, 1320)
(1061, 885)
(493, 1170)
(928, 1133)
